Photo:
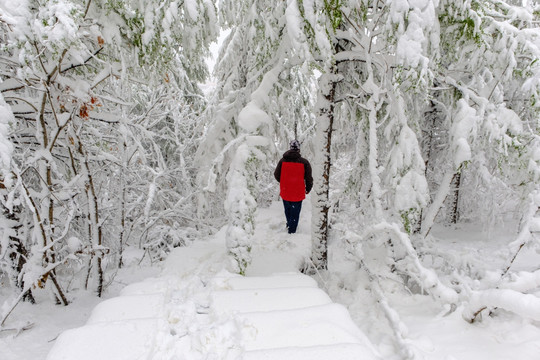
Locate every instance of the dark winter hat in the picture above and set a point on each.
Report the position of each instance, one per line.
(295, 144)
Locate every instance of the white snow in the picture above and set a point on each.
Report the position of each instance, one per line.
(435, 336)
(277, 281)
(152, 188)
(133, 339)
(268, 299)
(195, 309)
(409, 46)
(464, 127)
(74, 244)
(149, 27)
(191, 7)
(411, 191)
(147, 306)
(315, 326)
(294, 23)
(251, 117)
(525, 305)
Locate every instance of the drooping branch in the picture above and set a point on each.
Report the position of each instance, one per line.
(398, 327)
(427, 278)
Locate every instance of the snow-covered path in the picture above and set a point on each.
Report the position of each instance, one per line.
(198, 310)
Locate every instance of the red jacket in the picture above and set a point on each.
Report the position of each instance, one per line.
(294, 175)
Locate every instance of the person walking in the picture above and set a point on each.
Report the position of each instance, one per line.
(293, 173)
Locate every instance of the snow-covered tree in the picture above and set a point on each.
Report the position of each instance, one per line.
(427, 112)
(105, 99)
(413, 114)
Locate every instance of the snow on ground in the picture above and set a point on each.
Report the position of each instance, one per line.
(273, 249)
(50, 320)
(196, 309)
(436, 336)
(432, 331)
(500, 337)
(193, 308)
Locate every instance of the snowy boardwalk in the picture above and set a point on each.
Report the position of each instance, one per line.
(296, 322)
(255, 318)
(197, 310)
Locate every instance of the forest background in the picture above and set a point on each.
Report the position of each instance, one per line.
(413, 113)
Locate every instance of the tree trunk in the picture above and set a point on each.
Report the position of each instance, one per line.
(454, 198)
(438, 201)
(125, 163)
(321, 169)
(19, 256)
(122, 226)
(93, 213)
(43, 277)
(428, 145)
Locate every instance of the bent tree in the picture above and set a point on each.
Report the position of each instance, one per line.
(260, 100)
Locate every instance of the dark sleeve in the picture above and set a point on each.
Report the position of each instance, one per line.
(277, 172)
(307, 176)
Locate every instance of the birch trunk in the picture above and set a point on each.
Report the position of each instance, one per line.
(321, 168)
(454, 198)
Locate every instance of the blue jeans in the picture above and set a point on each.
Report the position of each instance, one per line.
(292, 213)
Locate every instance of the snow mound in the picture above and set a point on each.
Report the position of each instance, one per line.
(149, 286)
(268, 299)
(333, 352)
(286, 280)
(125, 340)
(319, 325)
(128, 308)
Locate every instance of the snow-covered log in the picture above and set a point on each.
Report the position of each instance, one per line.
(525, 305)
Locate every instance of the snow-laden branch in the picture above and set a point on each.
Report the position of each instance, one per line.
(427, 278)
(522, 304)
(531, 224)
(436, 205)
(218, 160)
(31, 280)
(398, 327)
(521, 281)
(525, 305)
